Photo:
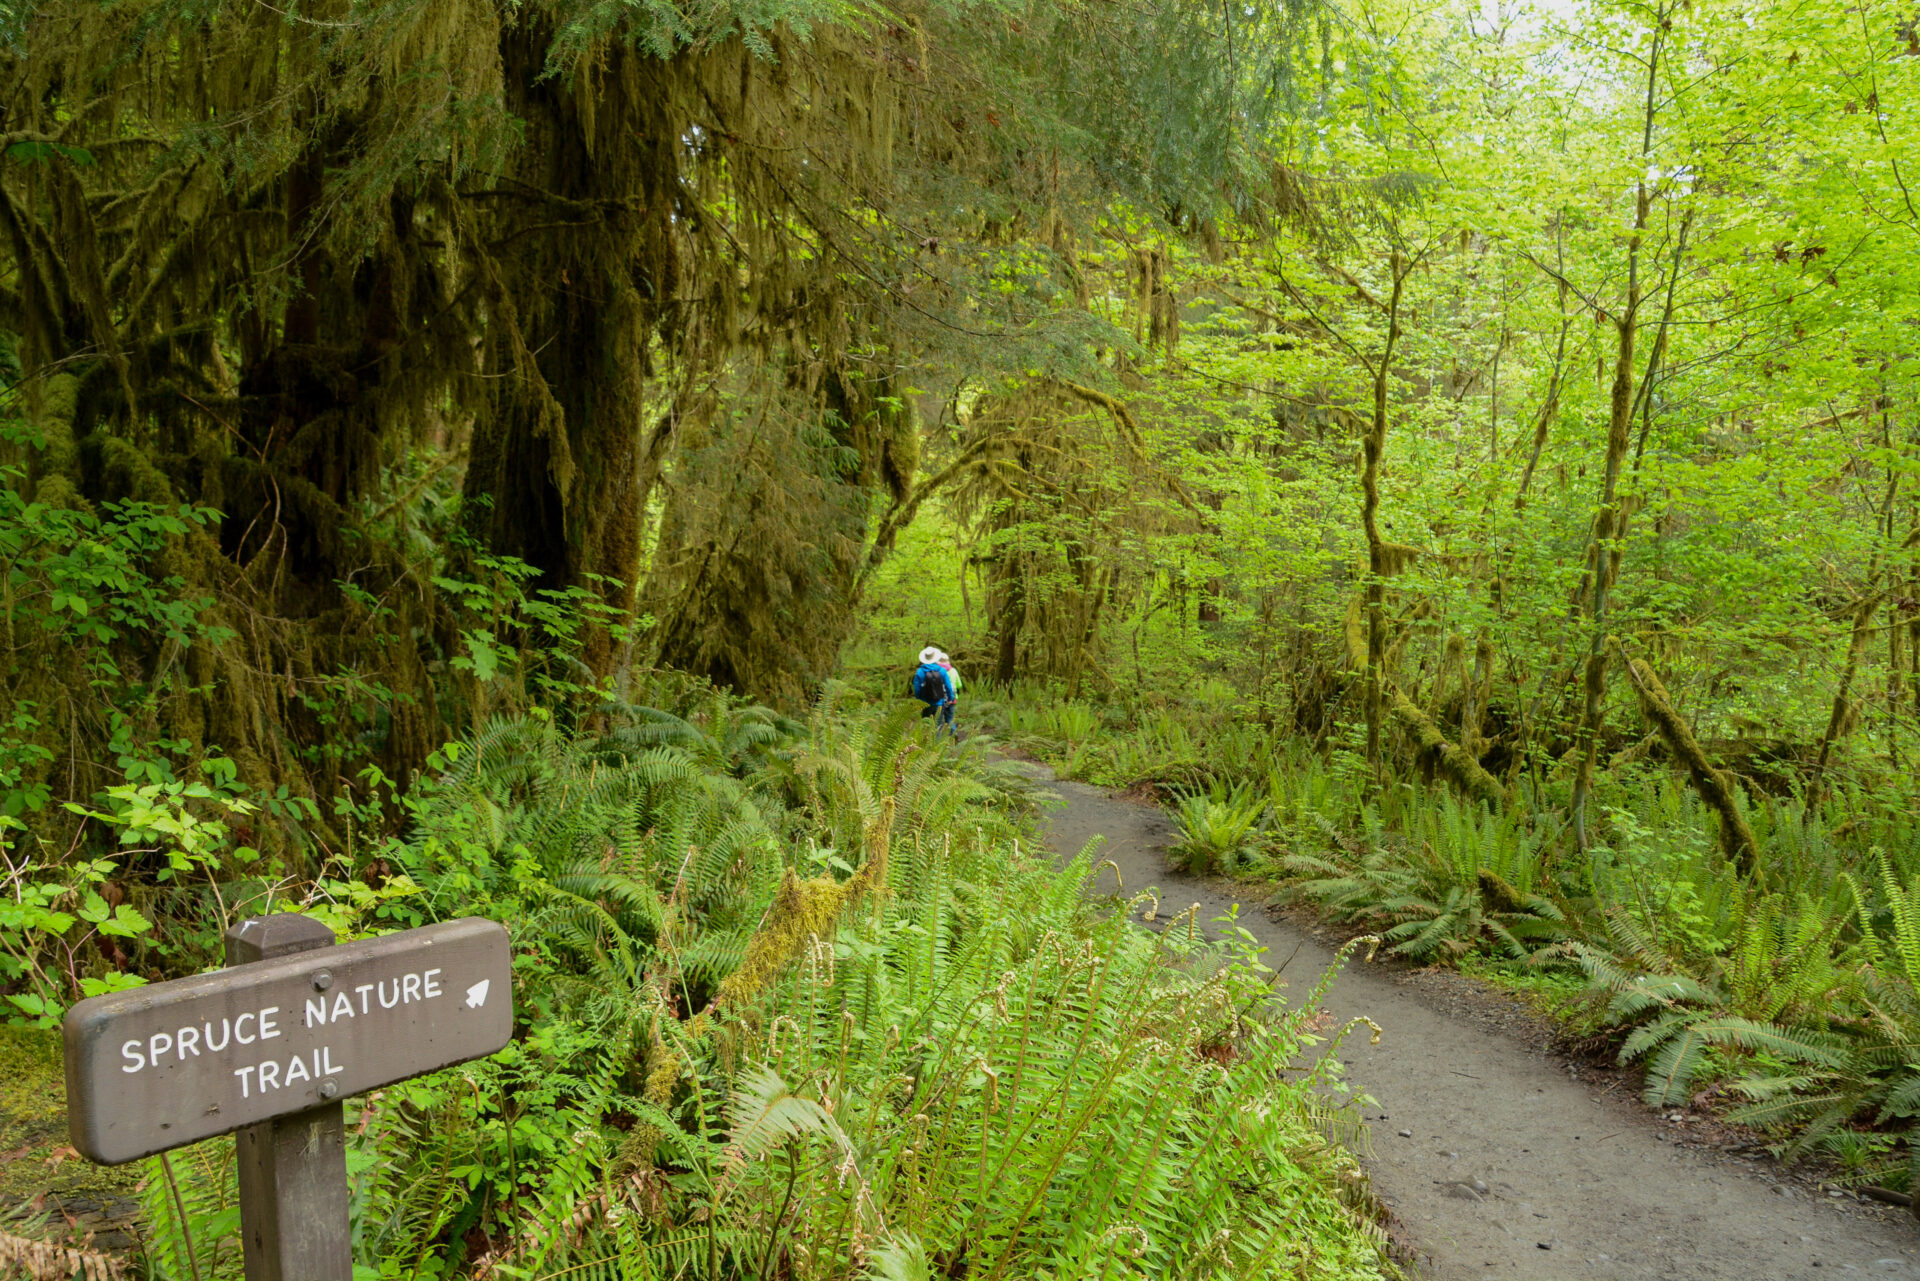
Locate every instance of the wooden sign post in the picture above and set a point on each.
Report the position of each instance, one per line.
(293, 1169)
(270, 1046)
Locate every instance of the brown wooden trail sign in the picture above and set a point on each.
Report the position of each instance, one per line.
(270, 1046)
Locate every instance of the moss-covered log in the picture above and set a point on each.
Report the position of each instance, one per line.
(1715, 785)
(1435, 755)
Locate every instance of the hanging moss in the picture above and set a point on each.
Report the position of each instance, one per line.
(1396, 558)
(1053, 496)
(567, 254)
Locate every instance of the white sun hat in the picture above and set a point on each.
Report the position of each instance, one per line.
(929, 655)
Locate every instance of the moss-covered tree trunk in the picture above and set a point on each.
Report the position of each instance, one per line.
(1843, 714)
(561, 469)
(1609, 524)
(1382, 559)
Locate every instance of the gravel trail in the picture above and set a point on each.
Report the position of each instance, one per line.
(1498, 1158)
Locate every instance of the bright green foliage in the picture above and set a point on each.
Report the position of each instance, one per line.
(1871, 1068)
(959, 1064)
(1459, 880)
(1468, 455)
(1779, 969)
(1219, 829)
(524, 344)
(47, 918)
(79, 591)
(1801, 999)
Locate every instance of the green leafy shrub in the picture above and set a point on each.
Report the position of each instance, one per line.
(1780, 969)
(1463, 880)
(1219, 829)
(79, 585)
(1868, 1065)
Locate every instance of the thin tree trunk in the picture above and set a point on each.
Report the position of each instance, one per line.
(1895, 675)
(1550, 406)
(1605, 528)
(1715, 785)
(1913, 606)
(1007, 625)
(1604, 557)
(1373, 445)
(1840, 716)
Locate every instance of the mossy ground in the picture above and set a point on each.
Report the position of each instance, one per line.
(37, 1163)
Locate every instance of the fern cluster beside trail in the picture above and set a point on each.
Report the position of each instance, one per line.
(806, 1003)
(1785, 993)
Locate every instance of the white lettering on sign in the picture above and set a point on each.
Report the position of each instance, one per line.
(190, 1041)
(407, 989)
(255, 1026)
(258, 1078)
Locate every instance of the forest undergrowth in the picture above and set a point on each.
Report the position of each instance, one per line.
(1788, 1000)
(804, 1000)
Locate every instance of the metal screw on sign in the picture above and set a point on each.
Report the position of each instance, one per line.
(268, 1048)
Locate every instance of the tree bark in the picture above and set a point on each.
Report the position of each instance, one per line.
(1715, 785)
(1609, 522)
(1380, 561)
(1840, 716)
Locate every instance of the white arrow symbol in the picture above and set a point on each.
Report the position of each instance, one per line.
(477, 994)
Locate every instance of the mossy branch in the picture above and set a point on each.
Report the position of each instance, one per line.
(1434, 753)
(803, 910)
(1130, 428)
(1715, 785)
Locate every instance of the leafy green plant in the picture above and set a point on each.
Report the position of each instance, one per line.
(1869, 1066)
(1465, 884)
(724, 735)
(48, 914)
(191, 1202)
(77, 583)
(53, 906)
(520, 643)
(1218, 829)
(1780, 972)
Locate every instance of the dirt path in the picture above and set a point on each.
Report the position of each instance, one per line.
(1497, 1157)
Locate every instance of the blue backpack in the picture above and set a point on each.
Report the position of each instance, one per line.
(930, 683)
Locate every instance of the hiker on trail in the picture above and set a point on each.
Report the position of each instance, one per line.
(932, 686)
(953, 673)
